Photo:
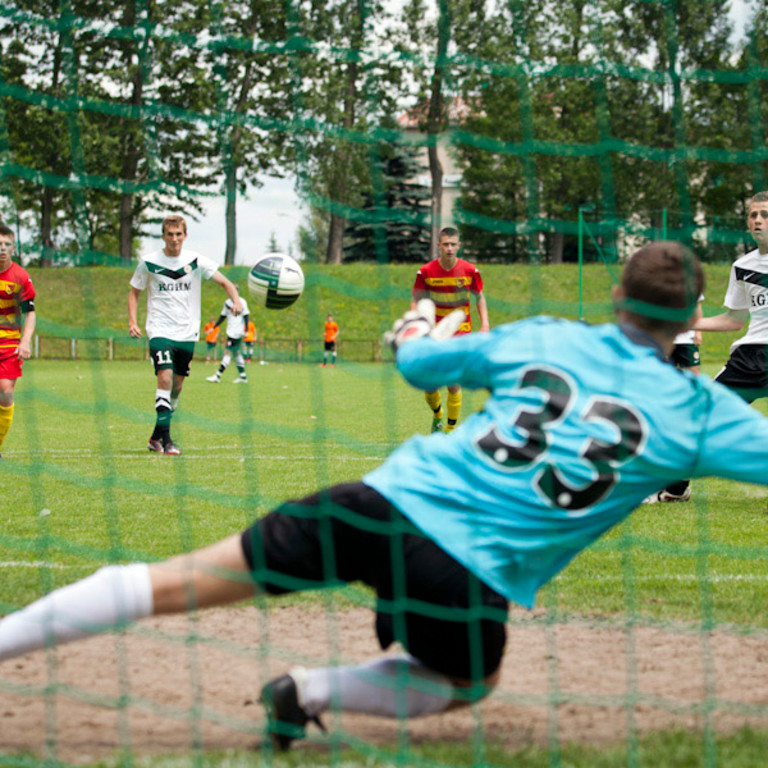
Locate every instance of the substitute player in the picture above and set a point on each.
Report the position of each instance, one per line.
(330, 337)
(237, 322)
(449, 281)
(172, 277)
(746, 371)
(17, 325)
(248, 340)
(581, 424)
(211, 331)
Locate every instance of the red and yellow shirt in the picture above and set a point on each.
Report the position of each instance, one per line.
(449, 288)
(17, 295)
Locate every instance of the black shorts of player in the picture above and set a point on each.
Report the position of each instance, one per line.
(685, 356)
(441, 613)
(233, 345)
(166, 353)
(746, 371)
(330, 346)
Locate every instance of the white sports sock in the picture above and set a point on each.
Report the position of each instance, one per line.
(174, 403)
(163, 399)
(391, 686)
(112, 596)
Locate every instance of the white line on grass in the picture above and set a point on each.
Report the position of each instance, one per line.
(687, 578)
(680, 577)
(84, 453)
(35, 564)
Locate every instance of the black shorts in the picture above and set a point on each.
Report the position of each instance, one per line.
(330, 346)
(685, 356)
(746, 371)
(441, 613)
(166, 353)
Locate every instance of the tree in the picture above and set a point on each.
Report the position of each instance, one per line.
(396, 227)
(349, 87)
(104, 144)
(37, 134)
(252, 90)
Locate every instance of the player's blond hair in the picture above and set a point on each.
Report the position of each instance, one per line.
(175, 219)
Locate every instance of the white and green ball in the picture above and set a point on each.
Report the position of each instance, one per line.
(275, 281)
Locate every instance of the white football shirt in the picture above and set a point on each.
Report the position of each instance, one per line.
(748, 289)
(173, 292)
(235, 323)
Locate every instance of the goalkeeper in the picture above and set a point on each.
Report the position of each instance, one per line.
(582, 424)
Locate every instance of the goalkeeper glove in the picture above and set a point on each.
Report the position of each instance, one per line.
(421, 322)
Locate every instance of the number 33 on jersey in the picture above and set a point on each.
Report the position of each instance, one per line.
(563, 449)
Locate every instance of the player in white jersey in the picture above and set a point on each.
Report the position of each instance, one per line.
(172, 279)
(581, 423)
(237, 325)
(686, 357)
(746, 371)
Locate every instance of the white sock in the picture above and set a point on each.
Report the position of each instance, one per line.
(391, 686)
(163, 399)
(174, 403)
(108, 598)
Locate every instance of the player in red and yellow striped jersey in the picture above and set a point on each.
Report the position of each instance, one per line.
(17, 324)
(449, 281)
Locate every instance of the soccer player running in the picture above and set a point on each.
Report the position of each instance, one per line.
(581, 424)
(448, 281)
(172, 277)
(237, 324)
(17, 325)
(330, 336)
(746, 298)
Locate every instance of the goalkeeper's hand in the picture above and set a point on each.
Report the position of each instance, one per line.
(421, 322)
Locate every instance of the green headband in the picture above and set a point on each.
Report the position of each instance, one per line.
(645, 309)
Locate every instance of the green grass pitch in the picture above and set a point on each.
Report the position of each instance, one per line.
(81, 490)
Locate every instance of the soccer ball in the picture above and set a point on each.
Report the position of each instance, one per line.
(275, 281)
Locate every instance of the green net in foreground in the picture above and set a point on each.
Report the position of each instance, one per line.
(579, 131)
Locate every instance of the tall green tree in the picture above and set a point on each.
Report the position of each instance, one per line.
(500, 189)
(37, 133)
(252, 76)
(345, 87)
(689, 109)
(397, 218)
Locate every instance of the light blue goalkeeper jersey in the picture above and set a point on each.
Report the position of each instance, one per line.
(582, 423)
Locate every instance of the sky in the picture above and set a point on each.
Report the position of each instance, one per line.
(273, 208)
(276, 208)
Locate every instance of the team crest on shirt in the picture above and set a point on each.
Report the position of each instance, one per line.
(9, 288)
(187, 269)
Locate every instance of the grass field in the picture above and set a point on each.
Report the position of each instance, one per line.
(81, 490)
